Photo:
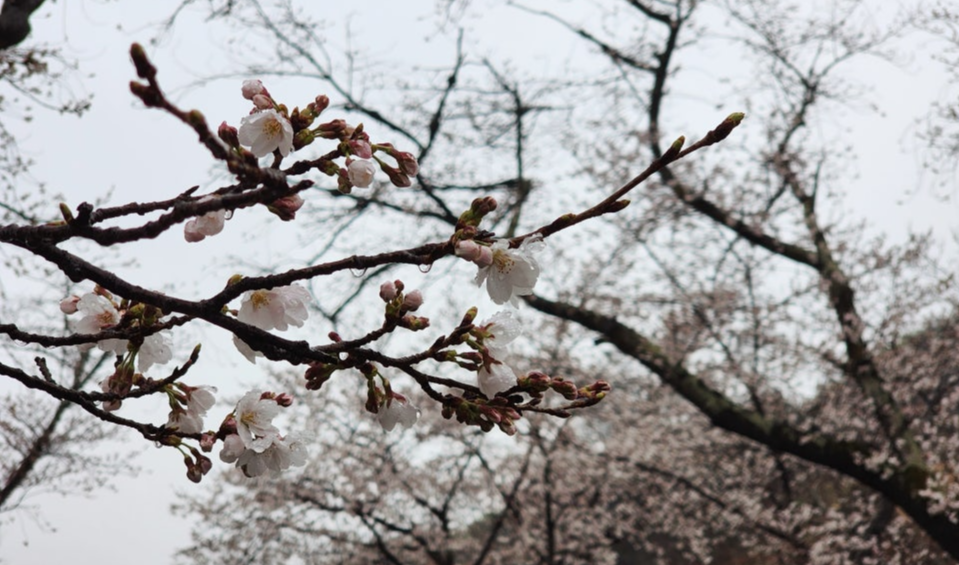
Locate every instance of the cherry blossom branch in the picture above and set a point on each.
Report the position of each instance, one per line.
(494, 402)
(181, 209)
(148, 431)
(613, 203)
(80, 339)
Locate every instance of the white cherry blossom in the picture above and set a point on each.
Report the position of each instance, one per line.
(232, 449)
(155, 349)
(184, 422)
(189, 420)
(282, 454)
(245, 350)
(99, 313)
(254, 421)
(266, 131)
(251, 88)
(499, 378)
(277, 308)
(503, 329)
(398, 411)
(200, 399)
(513, 272)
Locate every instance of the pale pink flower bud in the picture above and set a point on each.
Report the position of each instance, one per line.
(536, 381)
(361, 173)
(191, 234)
(251, 88)
(387, 291)
(228, 134)
(413, 300)
(483, 205)
(120, 383)
(287, 207)
(193, 472)
(233, 447)
(204, 464)
(565, 388)
(69, 304)
(415, 323)
(206, 225)
(599, 386)
(361, 148)
(397, 177)
(485, 258)
(468, 250)
(262, 102)
(321, 102)
(332, 129)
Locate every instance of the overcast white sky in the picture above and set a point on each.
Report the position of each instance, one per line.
(143, 155)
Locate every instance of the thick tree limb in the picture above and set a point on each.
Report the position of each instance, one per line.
(15, 21)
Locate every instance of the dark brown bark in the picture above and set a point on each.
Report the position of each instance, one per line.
(15, 21)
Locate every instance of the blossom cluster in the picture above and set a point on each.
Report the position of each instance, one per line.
(509, 269)
(277, 308)
(397, 409)
(254, 443)
(271, 129)
(494, 375)
(188, 406)
(99, 312)
(508, 273)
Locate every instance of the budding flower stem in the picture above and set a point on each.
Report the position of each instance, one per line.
(152, 96)
(614, 202)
